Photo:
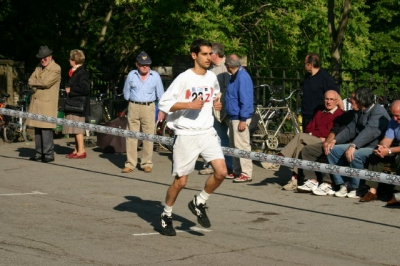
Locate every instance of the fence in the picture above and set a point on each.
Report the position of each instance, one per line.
(385, 83)
(282, 81)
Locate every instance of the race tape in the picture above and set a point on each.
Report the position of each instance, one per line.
(256, 156)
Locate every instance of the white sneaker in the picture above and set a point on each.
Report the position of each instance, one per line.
(342, 191)
(308, 186)
(323, 190)
(352, 194)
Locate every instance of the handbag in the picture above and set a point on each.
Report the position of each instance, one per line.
(74, 104)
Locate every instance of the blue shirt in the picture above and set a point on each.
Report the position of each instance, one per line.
(393, 132)
(137, 90)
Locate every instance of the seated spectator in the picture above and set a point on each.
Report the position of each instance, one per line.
(318, 183)
(315, 132)
(357, 140)
(384, 153)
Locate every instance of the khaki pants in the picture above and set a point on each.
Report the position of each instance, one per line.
(296, 145)
(241, 141)
(141, 118)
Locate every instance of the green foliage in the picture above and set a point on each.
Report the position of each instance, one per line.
(275, 33)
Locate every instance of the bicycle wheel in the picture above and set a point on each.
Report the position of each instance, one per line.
(281, 127)
(166, 132)
(8, 134)
(27, 131)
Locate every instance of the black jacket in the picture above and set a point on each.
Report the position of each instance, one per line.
(80, 86)
(314, 89)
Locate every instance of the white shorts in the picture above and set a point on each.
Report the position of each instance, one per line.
(188, 148)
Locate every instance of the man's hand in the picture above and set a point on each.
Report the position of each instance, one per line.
(217, 104)
(381, 151)
(350, 154)
(67, 90)
(328, 146)
(242, 126)
(161, 116)
(197, 104)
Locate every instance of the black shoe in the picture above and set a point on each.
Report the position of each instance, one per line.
(200, 212)
(36, 158)
(48, 160)
(166, 227)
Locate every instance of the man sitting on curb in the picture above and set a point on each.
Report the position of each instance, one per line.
(383, 153)
(315, 132)
(357, 140)
(317, 152)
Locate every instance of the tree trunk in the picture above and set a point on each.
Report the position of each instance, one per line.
(337, 36)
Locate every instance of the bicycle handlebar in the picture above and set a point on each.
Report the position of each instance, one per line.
(284, 99)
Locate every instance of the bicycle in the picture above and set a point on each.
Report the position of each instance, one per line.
(163, 130)
(15, 127)
(100, 108)
(277, 124)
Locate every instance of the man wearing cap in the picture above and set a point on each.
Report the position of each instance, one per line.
(45, 84)
(142, 88)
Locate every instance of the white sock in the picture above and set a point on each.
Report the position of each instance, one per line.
(167, 211)
(202, 197)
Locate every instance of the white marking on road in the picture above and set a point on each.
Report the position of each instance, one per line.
(22, 194)
(191, 229)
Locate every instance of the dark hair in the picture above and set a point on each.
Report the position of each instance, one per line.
(196, 44)
(218, 48)
(314, 59)
(363, 97)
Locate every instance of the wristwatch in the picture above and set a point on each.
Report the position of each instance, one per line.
(353, 145)
(389, 151)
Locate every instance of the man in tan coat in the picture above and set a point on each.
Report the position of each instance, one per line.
(45, 84)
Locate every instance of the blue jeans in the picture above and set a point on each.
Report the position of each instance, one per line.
(222, 132)
(338, 157)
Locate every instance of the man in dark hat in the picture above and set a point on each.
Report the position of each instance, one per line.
(45, 84)
(142, 88)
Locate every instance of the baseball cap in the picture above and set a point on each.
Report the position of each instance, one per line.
(143, 58)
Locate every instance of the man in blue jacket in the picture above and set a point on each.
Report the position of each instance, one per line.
(239, 107)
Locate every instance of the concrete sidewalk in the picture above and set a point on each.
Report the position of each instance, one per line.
(86, 212)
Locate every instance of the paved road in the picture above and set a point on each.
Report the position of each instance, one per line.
(85, 212)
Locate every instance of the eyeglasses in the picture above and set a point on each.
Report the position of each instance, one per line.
(330, 99)
(140, 65)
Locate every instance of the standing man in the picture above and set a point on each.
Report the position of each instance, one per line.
(316, 84)
(142, 88)
(239, 106)
(190, 100)
(45, 84)
(220, 125)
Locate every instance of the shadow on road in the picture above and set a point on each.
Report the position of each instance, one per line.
(150, 211)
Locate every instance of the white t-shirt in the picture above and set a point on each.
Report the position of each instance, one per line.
(185, 88)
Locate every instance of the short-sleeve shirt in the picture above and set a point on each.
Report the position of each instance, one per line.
(393, 132)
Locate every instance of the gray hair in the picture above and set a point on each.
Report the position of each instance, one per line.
(233, 61)
(218, 48)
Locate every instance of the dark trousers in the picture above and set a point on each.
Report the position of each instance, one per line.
(44, 142)
(377, 164)
(306, 121)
